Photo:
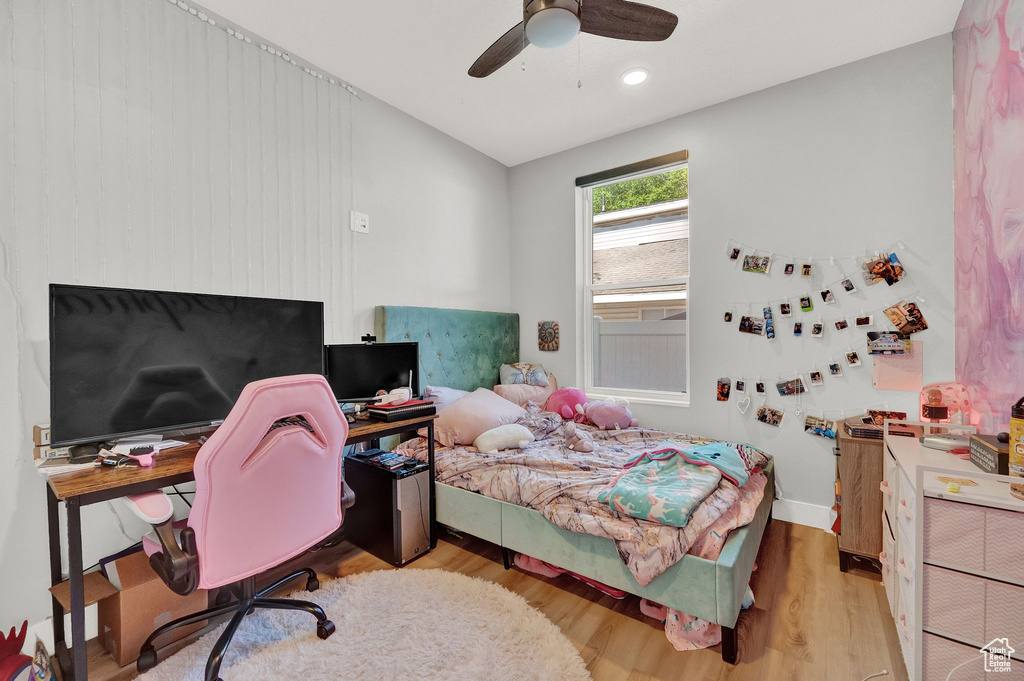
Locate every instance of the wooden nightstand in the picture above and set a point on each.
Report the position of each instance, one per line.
(859, 471)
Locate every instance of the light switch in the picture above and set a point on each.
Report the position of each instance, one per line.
(360, 222)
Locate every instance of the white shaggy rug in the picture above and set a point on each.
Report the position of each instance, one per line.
(393, 624)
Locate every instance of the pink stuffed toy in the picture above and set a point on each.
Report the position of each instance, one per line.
(577, 440)
(607, 415)
(565, 402)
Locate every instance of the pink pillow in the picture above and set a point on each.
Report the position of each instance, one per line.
(465, 419)
(520, 393)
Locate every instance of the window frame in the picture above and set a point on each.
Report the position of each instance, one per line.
(585, 288)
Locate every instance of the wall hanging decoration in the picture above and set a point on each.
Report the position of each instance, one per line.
(753, 325)
(724, 385)
(888, 343)
(821, 427)
(770, 416)
(547, 336)
(886, 268)
(906, 317)
(794, 386)
(758, 264)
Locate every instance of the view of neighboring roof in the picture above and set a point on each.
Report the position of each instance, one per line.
(641, 244)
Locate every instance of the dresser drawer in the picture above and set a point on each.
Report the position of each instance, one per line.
(1004, 535)
(1004, 613)
(954, 534)
(905, 633)
(886, 558)
(888, 497)
(954, 603)
(939, 656)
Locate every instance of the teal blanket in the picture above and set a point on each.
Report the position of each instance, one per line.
(666, 485)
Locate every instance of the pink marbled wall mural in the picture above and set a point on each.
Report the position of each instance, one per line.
(988, 86)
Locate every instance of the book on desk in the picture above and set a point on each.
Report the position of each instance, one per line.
(399, 412)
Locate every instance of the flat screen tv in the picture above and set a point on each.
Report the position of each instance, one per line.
(356, 372)
(125, 361)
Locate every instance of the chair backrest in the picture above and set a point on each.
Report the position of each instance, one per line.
(264, 496)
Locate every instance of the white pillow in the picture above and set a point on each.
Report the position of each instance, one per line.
(508, 436)
(442, 396)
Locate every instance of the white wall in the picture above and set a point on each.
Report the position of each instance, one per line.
(854, 158)
(142, 147)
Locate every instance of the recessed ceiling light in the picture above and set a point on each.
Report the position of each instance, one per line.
(634, 77)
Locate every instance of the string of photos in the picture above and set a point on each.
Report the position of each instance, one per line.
(905, 316)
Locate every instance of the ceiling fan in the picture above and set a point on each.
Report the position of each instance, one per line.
(554, 23)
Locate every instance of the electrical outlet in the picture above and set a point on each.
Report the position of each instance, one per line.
(360, 222)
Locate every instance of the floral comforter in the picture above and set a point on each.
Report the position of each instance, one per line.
(563, 485)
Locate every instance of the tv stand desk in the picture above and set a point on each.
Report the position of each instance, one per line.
(170, 467)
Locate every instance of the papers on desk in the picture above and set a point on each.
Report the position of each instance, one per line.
(48, 467)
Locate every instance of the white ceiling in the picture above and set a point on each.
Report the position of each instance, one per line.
(414, 55)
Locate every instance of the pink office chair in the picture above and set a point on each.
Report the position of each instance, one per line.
(268, 487)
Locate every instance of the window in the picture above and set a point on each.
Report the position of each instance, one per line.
(634, 275)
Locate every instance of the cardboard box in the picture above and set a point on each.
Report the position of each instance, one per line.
(48, 452)
(143, 603)
(41, 435)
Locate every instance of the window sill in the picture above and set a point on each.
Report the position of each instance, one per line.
(640, 396)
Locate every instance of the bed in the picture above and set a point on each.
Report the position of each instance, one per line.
(464, 349)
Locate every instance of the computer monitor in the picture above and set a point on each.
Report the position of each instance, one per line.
(126, 361)
(356, 372)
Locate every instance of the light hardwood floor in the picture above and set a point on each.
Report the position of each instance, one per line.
(810, 622)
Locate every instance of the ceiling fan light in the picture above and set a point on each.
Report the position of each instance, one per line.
(552, 27)
(634, 76)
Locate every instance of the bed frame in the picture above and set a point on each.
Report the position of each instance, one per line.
(464, 349)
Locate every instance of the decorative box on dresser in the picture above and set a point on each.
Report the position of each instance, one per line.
(952, 563)
(859, 471)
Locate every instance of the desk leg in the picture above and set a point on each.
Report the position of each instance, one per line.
(77, 579)
(433, 499)
(56, 577)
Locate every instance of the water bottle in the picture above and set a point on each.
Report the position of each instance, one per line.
(1017, 448)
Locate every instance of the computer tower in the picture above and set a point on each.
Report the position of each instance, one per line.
(391, 514)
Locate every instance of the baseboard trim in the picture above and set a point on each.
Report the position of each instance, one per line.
(44, 631)
(802, 513)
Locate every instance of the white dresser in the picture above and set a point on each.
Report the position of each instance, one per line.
(952, 563)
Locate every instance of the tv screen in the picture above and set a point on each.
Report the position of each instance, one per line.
(125, 361)
(357, 372)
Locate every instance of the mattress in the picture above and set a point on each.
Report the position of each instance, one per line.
(563, 485)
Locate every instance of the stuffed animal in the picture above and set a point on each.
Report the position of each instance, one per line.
(576, 440)
(565, 402)
(607, 415)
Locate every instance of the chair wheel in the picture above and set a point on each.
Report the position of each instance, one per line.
(147, 659)
(223, 597)
(325, 629)
(312, 584)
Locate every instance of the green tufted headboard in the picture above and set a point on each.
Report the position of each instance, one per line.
(458, 348)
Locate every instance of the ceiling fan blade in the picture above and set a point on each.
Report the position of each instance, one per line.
(627, 20)
(501, 52)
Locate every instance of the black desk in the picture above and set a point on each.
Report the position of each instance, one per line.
(171, 467)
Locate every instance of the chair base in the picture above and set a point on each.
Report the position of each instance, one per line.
(248, 601)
